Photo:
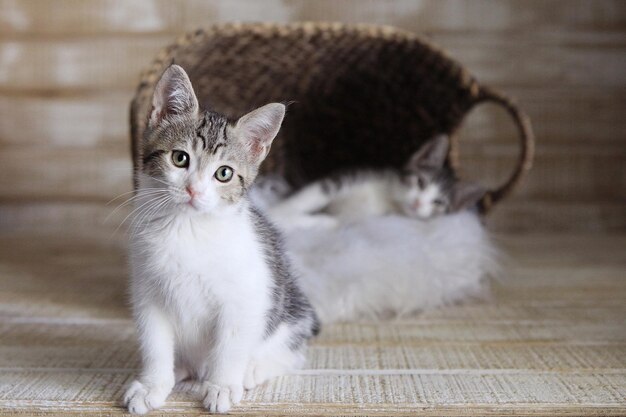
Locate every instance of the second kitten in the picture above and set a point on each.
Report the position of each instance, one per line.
(425, 188)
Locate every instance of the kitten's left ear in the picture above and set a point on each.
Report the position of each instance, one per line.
(258, 129)
(431, 154)
(466, 195)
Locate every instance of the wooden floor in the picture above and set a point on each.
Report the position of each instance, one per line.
(551, 340)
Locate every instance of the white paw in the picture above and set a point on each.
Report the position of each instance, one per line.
(219, 399)
(141, 398)
(257, 373)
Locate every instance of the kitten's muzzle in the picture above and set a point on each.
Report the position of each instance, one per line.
(191, 191)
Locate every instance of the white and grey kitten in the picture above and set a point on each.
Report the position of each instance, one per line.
(425, 188)
(212, 292)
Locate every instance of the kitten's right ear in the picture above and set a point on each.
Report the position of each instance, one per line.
(173, 95)
(466, 195)
(432, 154)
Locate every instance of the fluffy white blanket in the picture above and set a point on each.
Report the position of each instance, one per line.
(392, 265)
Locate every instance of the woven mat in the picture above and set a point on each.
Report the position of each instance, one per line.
(551, 340)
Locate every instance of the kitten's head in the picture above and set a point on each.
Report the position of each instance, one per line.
(199, 160)
(429, 186)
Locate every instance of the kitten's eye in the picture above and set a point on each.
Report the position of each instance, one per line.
(224, 173)
(421, 183)
(180, 159)
(438, 202)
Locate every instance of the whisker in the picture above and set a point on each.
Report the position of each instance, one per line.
(131, 199)
(135, 210)
(133, 191)
(156, 179)
(138, 218)
(145, 194)
(148, 216)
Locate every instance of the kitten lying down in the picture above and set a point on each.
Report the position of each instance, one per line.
(384, 243)
(425, 188)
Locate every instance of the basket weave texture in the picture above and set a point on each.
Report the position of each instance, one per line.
(361, 96)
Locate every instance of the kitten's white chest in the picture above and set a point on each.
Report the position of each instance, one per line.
(204, 246)
(200, 263)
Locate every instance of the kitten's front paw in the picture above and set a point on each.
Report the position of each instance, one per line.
(218, 399)
(140, 398)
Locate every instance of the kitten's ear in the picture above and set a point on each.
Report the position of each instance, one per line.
(258, 129)
(173, 95)
(432, 154)
(466, 195)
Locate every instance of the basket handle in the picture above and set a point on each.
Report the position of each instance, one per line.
(527, 146)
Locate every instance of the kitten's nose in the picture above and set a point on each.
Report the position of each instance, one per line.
(416, 204)
(190, 190)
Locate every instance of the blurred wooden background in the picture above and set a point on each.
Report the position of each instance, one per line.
(68, 69)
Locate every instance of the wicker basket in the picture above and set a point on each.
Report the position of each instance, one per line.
(363, 96)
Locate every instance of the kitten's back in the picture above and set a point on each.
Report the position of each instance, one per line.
(361, 194)
(289, 304)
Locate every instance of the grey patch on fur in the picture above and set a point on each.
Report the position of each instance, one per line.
(212, 130)
(153, 156)
(428, 164)
(289, 304)
(441, 176)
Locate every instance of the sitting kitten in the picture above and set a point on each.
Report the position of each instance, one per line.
(424, 189)
(212, 292)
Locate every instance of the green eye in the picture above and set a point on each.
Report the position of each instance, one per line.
(224, 174)
(180, 159)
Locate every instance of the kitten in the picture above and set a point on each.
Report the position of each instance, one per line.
(425, 188)
(212, 292)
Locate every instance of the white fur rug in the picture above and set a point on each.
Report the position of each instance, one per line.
(392, 265)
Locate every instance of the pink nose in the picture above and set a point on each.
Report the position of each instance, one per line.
(416, 204)
(192, 193)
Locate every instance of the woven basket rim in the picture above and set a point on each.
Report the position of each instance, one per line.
(363, 30)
